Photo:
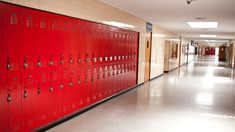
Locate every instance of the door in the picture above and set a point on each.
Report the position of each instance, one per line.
(222, 55)
(148, 44)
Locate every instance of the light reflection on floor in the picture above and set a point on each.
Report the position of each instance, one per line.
(195, 98)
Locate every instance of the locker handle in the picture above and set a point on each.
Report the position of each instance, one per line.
(94, 59)
(79, 82)
(39, 64)
(26, 65)
(51, 63)
(100, 59)
(79, 60)
(70, 84)
(61, 86)
(51, 89)
(39, 91)
(61, 62)
(71, 61)
(9, 99)
(92, 79)
(88, 60)
(9, 67)
(25, 94)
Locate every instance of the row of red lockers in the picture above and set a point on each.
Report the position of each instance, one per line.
(52, 65)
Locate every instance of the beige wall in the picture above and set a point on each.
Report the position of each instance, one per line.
(233, 54)
(157, 53)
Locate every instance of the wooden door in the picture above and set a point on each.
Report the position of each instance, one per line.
(148, 44)
(222, 54)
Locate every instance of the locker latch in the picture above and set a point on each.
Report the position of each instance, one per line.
(94, 59)
(51, 62)
(9, 98)
(70, 84)
(61, 61)
(51, 89)
(79, 60)
(92, 78)
(9, 66)
(79, 81)
(25, 94)
(39, 91)
(100, 59)
(71, 59)
(39, 62)
(61, 86)
(26, 65)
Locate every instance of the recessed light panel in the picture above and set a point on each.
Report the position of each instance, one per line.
(203, 24)
(207, 36)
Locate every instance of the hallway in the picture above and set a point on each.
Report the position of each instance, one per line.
(197, 97)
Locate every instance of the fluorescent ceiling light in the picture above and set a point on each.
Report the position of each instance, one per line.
(203, 24)
(159, 35)
(118, 24)
(174, 39)
(207, 36)
(210, 40)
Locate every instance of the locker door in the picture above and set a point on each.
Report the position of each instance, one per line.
(53, 36)
(82, 45)
(29, 58)
(3, 91)
(99, 82)
(3, 103)
(99, 46)
(74, 43)
(39, 98)
(51, 95)
(29, 98)
(105, 81)
(78, 90)
(109, 80)
(95, 45)
(87, 87)
(41, 42)
(94, 90)
(73, 89)
(13, 30)
(65, 91)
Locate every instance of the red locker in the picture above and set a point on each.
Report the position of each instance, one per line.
(3, 60)
(94, 88)
(12, 28)
(59, 62)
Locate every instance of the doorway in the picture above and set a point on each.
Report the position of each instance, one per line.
(148, 44)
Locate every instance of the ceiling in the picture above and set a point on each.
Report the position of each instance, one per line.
(173, 15)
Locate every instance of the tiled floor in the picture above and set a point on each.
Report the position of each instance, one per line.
(199, 97)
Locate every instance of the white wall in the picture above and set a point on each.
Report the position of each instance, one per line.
(157, 51)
